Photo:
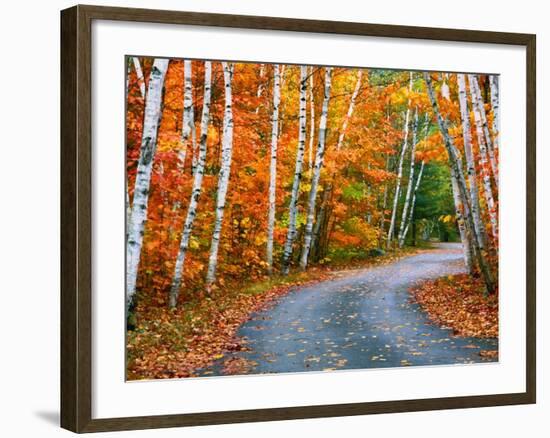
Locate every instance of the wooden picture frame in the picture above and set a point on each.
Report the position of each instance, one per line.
(76, 217)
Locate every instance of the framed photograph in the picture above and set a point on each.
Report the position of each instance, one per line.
(268, 219)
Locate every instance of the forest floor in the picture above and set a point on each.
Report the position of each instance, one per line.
(329, 318)
(358, 319)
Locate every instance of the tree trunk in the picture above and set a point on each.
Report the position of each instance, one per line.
(260, 87)
(350, 111)
(188, 122)
(292, 209)
(460, 214)
(273, 166)
(223, 178)
(399, 171)
(470, 161)
(311, 122)
(413, 202)
(197, 187)
(479, 107)
(128, 206)
(445, 91)
(495, 104)
(384, 205)
(319, 222)
(401, 235)
(328, 189)
(319, 157)
(143, 177)
(484, 167)
(140, 77)
(456, 167)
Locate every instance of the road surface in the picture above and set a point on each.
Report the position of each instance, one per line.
(360, 319)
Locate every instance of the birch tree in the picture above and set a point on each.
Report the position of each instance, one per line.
(312, 121)
(470, 161)
(188, 122)
(350, 111)
(445, 91)
(479, 109)
(260, 89)
(384, 205)
(456, 167)
(495, 105)
(327, 193)
(138, 215)
(196, 190)
(223, 178)
(319, 157)
(273, 165)
(404, 215)
(413, 202)
(128, 206)
(484, 166)
(139, 74)
(400, 169)
(292, 209)
(460, 215)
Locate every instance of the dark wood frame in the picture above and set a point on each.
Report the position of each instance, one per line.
(76, 218)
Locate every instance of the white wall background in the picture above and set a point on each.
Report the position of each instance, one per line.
(29, 215)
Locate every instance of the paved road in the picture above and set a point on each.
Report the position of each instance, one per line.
(362, 319)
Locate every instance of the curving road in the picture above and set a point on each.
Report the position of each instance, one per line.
(360, 319)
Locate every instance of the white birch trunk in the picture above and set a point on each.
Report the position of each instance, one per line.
(470, 161)
(319, 157)
(188, 122)
(223, 178)
(311, 121)
(273, 166)
(484, 167)
(455, 163)
(292, 209)
(384, 205)
(350, 111)
(128, 206)
(143, 177)
(479, 107)
(399, 171)
(260, 86)
(139, 74)
(401, 234)
(413, 202)
(196, 191)
(445, 92)
(460, 213)
(495, 104)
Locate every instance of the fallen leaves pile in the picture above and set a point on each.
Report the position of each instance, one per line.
(458, 302)
(174, 343)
